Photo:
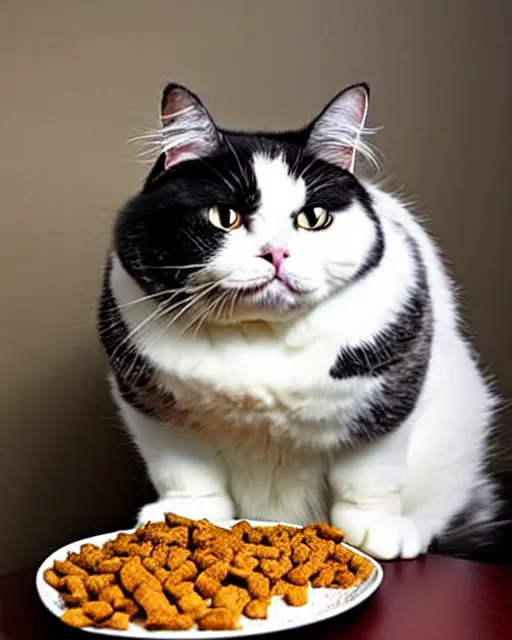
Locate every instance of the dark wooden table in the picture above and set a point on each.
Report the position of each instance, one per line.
(434, 598)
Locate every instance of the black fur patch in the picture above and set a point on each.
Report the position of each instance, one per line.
(135, 377)
(400, 354)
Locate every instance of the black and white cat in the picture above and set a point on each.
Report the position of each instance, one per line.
(284, 341)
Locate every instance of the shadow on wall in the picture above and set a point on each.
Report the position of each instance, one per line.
(74, 473)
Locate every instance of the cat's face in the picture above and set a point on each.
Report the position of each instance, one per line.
(247, 227)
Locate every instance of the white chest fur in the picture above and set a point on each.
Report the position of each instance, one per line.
(252, 377)
(256, 376)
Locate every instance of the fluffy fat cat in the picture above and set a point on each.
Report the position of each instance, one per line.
(283, 338)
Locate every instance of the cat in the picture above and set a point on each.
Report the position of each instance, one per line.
(283, 338)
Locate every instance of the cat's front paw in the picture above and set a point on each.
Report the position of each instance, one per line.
(215, 507)
(380, 535)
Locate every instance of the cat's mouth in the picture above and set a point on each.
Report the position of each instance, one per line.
(275, 284)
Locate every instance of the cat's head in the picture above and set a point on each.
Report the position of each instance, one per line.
(235, 226)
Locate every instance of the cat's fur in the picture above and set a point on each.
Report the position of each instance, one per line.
(278, 373)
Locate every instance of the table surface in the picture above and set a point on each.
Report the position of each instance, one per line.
(434, 598)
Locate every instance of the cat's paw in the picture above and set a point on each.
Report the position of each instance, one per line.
(213, 507)
(382, 536)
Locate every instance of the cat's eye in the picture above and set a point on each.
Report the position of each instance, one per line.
(313, 219)
(224, 218)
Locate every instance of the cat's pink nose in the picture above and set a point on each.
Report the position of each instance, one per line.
(275, 256)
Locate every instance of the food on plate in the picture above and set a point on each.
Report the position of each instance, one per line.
(183, 574)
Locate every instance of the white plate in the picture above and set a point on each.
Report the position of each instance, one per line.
(322, 604)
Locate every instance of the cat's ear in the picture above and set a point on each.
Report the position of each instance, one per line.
(335, 136)
(188, 130)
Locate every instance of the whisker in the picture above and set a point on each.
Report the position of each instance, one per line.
(190, 301)
(131, 333)
(201, 316)
(185, 289)
(202, 248)
(174, 266)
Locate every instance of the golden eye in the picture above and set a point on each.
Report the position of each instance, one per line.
(224, 218)
(313, 219)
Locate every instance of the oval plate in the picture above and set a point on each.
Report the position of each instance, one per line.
(322, 604)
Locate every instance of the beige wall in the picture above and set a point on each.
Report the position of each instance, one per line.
(81, 77)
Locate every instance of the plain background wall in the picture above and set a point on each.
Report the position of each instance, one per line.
(79, 78)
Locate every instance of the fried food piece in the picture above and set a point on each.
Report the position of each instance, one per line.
(111, 594)
(121, 543)
(162, 575)
(301, 574)
(127, 544)
(133, 574)
(118, 620)
(160, 614)
(299, 551)
(280, 539)
(344, 578)
(360, 566)
(89, 557)
(256, 584)
(176, 557)
(325, 577)
(275, 569)
(160, 554)
(192, 603)
(77, 593)
(94, 584)
(244, 560)
(203, 558)
(142, 549)
(263, 551)
(257, 608)
(320, 548)
(53, 579)
(300, 554)
(296, 596)
(114, 596)
(231, 597)
(150, 564)
(130, 607)
(76, 618)
(218, 571)
(279, 588)
(219, 620)
(98, 611)
(207, 534)
(68, 568)
(341, 554)
(320, 551)
(159, 532)
(179, 589)
(209, 581)
(325, 531)
(206, 585)
(109, 565)
(186, 571)
(244, 532)
(223, 547)
(174, 520)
